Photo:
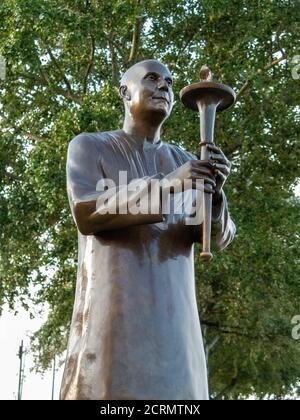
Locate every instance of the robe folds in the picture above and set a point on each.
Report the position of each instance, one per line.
(135, 332)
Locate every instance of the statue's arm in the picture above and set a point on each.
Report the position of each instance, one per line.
(83, 175)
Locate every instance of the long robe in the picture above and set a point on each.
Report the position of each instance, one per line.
(135, 331)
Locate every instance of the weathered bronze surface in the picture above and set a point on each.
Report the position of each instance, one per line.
(135, 331)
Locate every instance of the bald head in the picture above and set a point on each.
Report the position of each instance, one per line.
(146, 89)
(137, 70)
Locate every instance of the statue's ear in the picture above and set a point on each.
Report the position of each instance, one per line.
(123, 92)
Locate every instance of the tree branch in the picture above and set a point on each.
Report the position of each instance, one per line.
(266, 67)
(186, 44)
(58, 90)
(45, 79)
(90, 64)
(243, 88)
(114, 75)
(208, 347)
(235, 330)
(273, 63)
(31, 136)
(136, 35)
(212, 344)
(226, 389)
(110, 40)
(225, 329)
(277, 37)
(67, 83)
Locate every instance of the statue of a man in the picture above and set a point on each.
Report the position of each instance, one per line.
(135, 331)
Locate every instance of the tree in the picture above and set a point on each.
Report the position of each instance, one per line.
(64, 60)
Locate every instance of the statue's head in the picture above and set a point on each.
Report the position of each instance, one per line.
(146, 89)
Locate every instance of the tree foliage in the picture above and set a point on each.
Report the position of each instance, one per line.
(64, 60)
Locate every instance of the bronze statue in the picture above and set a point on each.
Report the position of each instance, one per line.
(135, 331)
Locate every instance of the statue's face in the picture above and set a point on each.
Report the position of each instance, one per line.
(149, 90)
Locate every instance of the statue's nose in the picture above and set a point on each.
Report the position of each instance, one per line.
(163, 85)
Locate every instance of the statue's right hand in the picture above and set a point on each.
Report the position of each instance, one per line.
(194, 170)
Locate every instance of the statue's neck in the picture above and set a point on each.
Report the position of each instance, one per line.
(142, 131)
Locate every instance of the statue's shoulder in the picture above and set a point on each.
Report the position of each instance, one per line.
(96, 140)
(180, 152)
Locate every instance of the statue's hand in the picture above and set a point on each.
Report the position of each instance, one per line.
(194, 170)
(222, 168)
(214, 172)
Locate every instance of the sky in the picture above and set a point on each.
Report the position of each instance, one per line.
(13, 329)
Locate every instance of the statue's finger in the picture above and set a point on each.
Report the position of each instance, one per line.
(219, 157)
(208, 171)
(202, 163)
(198, 173)
(206, 179)
(222, 168)
(221, 175)
(206, 188)
(214, 148)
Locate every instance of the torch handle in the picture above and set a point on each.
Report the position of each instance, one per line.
(207, 112)
(206, 255)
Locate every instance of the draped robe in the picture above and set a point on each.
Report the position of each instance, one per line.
(135, 331)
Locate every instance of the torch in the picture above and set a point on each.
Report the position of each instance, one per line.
(207, 97)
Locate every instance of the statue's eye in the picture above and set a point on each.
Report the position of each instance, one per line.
(151, 77)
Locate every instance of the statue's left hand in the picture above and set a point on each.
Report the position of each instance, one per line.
(222, 167)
